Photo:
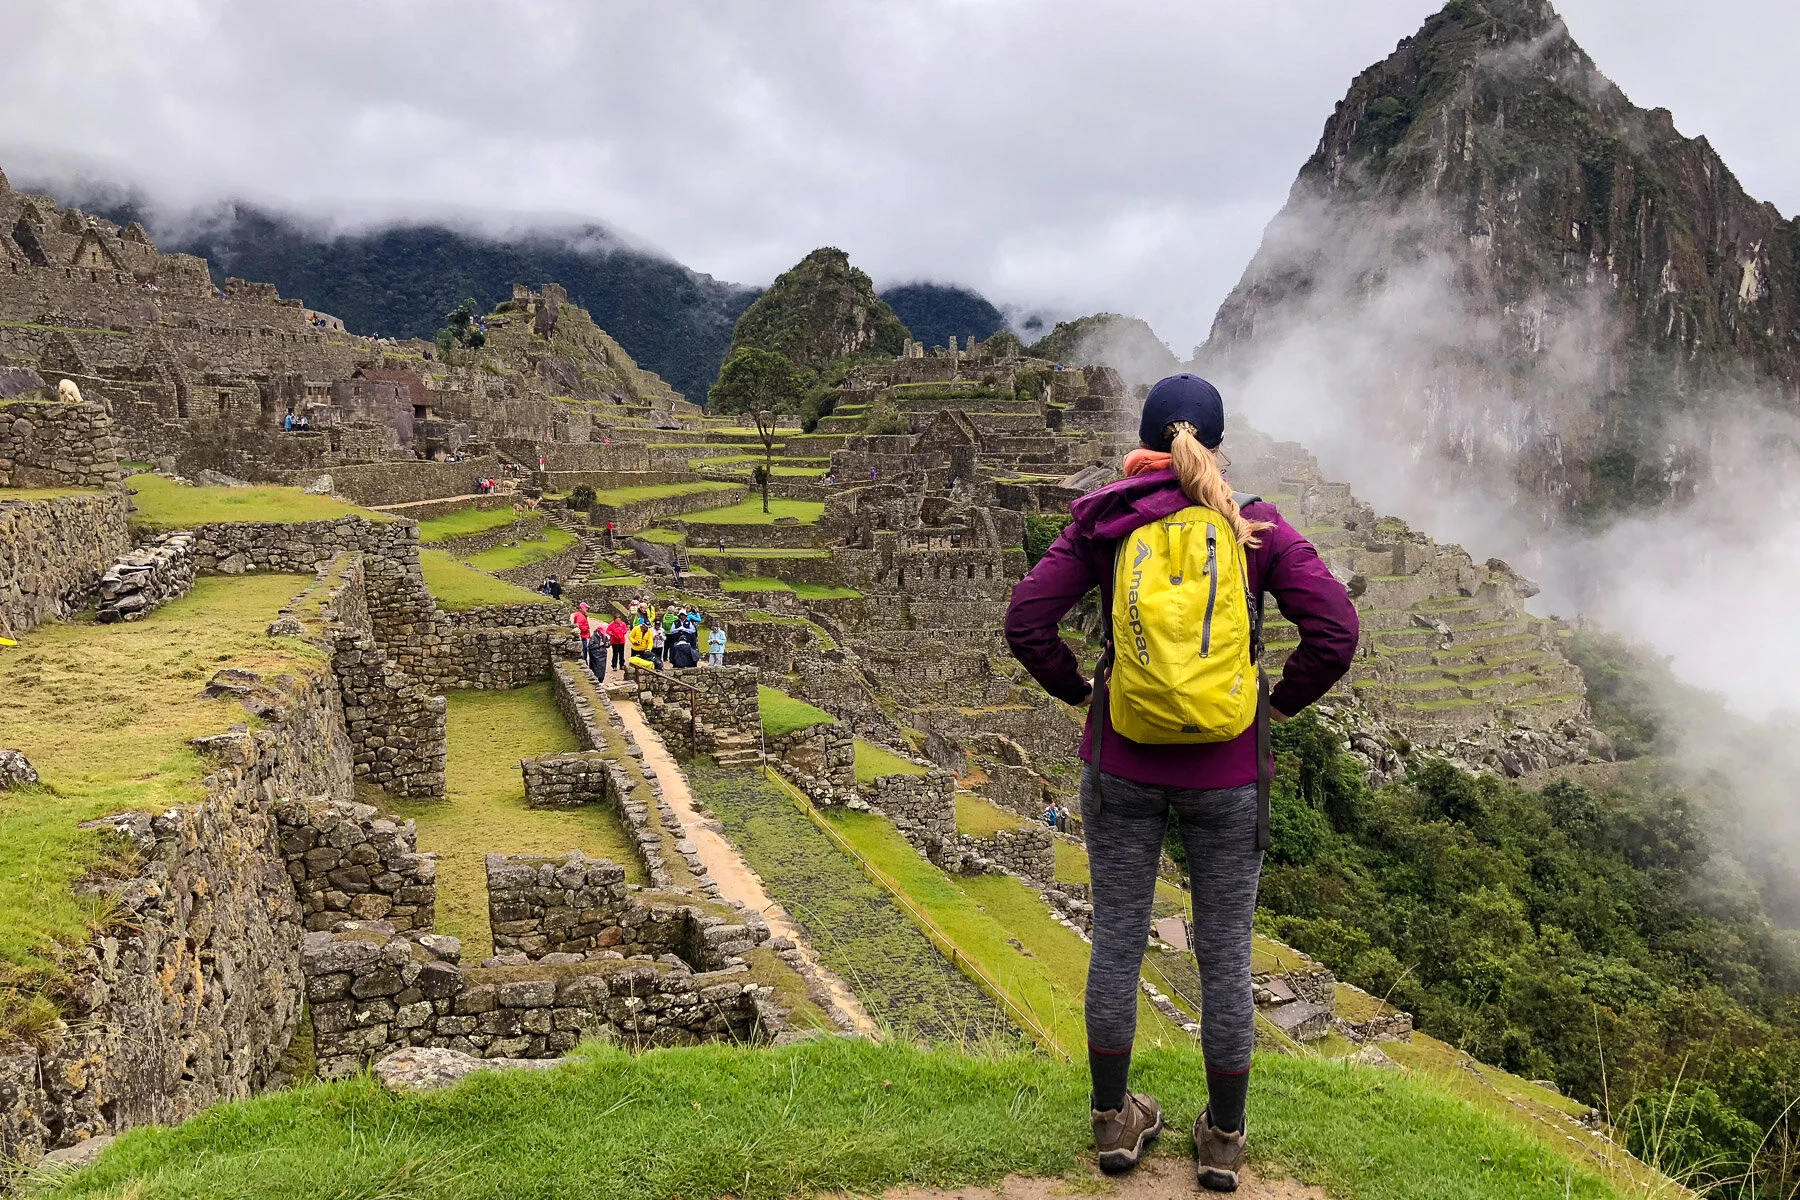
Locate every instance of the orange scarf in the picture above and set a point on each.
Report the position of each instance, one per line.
(1140, 461)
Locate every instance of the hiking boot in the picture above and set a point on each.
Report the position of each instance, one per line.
(1221, 1155)
(1121, 1134)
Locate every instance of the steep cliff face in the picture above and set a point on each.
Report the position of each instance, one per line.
(820, 309)
(1499, 255)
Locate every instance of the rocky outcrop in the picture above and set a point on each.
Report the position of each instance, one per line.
(818, 310)
(1505, 260)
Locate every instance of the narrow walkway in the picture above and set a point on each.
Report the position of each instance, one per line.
(1165, 1174)
(736, 881)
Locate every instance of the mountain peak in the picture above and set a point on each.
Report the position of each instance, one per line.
(1533, 274)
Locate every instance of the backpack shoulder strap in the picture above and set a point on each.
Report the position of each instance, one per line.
(1264, 751)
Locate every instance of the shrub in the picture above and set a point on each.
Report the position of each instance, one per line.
(884, 418)
(581, 497)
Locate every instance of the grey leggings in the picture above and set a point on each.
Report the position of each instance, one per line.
(1124, 824)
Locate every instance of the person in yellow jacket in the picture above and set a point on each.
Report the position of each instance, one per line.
(640, 639)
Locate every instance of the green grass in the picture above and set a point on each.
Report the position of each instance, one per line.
(872, 762)
(750, 512)
(483, 811)
(165, 504)
(104, 712)
(825, 591)
(906, 985)
(978, 818)
(45, 493)
(662, 537)
(755, 583)
(1071, 863)
(756, 551)
(463, 522)
(829, 1116)
(658, 491)
(531, 550)
(458, 585)
(781, 713)
(1044, 975)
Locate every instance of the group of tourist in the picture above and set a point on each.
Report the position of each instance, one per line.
(669, 638)
(290, 422)
(1057, 817)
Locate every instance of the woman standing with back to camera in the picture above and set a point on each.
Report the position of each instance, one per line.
(1179, 725)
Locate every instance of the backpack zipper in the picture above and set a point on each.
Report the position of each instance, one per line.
(1212, 588)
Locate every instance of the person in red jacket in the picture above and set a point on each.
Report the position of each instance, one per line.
(615, 633)
(1211, 788)
(584, 628)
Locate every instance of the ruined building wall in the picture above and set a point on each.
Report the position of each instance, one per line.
(53, 552)
(194, 994)
(51, 444)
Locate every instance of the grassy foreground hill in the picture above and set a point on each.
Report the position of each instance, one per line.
(830, 1115)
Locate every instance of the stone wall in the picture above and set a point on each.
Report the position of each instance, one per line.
(526, 526)
(377, 484)
(629, 518)
(53, 552)
(566, 780)
(51, 444)
(820, 758)
(922, 807)
(574, 904)
(723, 700)
(1029, 853)
(395, 723)
(633, 803)
(372, 991)
(147, 578)
(348, 861)
(300, 548)
(192, 994)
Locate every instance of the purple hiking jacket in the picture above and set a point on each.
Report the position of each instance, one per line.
(1286, 565)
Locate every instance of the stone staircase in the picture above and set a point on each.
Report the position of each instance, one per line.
(671, 718)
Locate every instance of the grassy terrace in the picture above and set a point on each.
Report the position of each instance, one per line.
(1003, 927)
(781, 713)
(463, 522)
(806, 591)
(164, 504)
(872, 762)
(749, 512)
(658, 491)
(713, 551)
(859, 933)
(484, 811)
(456, 584)
(979, 818)
(829, 1116)
(44, 493)
(505, 558)
(105, 712)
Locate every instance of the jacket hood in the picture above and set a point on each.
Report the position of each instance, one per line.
(1118, 508)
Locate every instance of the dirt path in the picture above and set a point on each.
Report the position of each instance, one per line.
(735, 878)
(1163, 1176)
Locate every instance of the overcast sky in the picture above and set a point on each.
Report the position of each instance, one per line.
(1065, 154)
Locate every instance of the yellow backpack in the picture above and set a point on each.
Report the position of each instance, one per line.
(1185, 633)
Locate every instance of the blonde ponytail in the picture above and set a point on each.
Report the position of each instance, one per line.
(1201, 480)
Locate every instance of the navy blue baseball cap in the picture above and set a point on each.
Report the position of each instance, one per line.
(1187, 398)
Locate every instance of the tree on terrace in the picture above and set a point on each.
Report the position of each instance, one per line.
(765, 385)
